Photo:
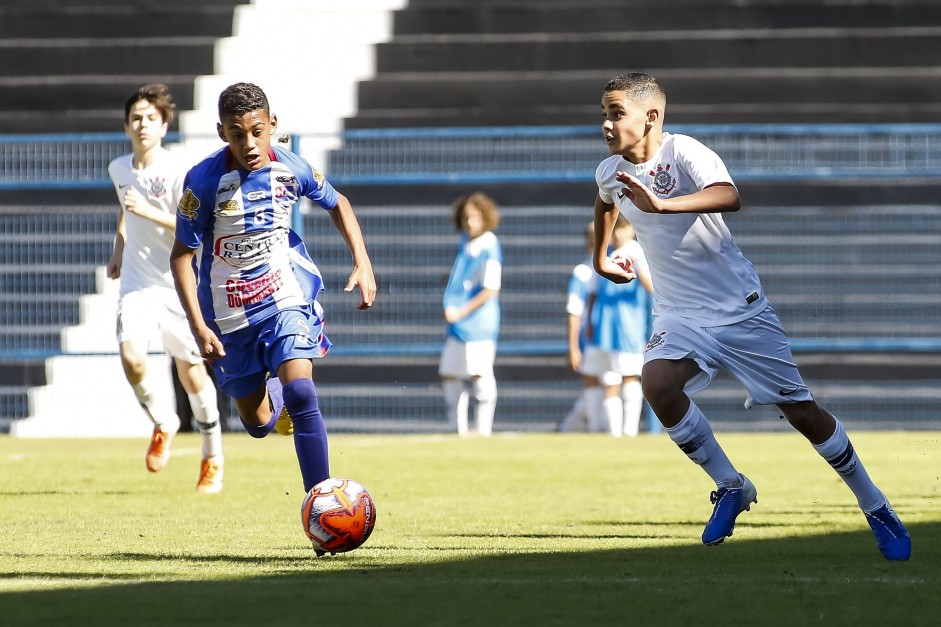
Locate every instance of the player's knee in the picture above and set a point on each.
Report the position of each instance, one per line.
(485, 389)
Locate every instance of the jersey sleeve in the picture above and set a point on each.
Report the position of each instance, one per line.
(702, 164)
(193, 211)
(602, 193)
(493, 267)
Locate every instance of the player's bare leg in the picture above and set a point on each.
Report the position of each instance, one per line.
(829, 439)
(663, 382)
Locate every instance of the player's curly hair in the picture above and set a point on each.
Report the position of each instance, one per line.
(156, 94)
(242, 98)
(639, 87)
(483, 202)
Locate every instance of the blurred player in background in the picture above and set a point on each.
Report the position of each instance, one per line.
(472, 312)
(615, 338)
(710, 309)
(148, 183)
(576, 319)
(250, 296)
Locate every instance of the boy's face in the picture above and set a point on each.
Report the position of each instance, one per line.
(625, 122)
(145, 126)
(473, 220)
(249, 137)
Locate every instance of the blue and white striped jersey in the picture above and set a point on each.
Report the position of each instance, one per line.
(251, 265)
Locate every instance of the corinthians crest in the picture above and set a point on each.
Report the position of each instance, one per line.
(663, 181)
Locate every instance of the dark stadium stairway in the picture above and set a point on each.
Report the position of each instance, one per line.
(542, 62)
(68, 66)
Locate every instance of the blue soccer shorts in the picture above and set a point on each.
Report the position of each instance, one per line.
(258, 349)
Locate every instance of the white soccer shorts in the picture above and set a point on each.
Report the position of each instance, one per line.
(144, 315)
(463, 360)
(755, 351)
(610, 367)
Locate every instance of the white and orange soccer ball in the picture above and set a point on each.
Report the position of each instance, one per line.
(338, 515)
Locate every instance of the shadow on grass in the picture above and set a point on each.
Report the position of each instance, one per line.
(835, 579)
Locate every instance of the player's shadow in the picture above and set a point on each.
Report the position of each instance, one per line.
(834, 579)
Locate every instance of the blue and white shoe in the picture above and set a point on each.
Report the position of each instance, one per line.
(729, 503)
(891, 535)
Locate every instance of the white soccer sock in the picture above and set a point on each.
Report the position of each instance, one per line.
(632, 396)
(578, 412)
(455, 400)
(695, 438)
(158, 410)
(206, 412)
(614, 415)
(485, 393)
(839, 453)
(594, 405)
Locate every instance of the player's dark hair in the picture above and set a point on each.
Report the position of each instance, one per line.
(638, 86)
(242, 98)
(156, 94)
(486, 205)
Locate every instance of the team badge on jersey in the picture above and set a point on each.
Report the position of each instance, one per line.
(663, 181)
(189, 205)
(228, 207)
(318, 179)
(157, 189)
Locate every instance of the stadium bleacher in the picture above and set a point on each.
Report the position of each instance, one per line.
(834, 270)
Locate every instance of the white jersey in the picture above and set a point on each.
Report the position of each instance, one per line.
(146, 258)
(699, 272)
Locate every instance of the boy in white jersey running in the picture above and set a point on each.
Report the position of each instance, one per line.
(148, 182)
(710, 311)
(252, 301)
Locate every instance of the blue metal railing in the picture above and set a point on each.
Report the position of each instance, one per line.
(520, 154)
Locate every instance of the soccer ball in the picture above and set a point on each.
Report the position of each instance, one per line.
(338, 515)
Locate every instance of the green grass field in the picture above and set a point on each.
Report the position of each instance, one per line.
(513, 530)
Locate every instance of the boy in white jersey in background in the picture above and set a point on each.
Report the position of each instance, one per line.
(710, 311)
(615, 339)
(472, 311)
(251, 301)
(148, 183)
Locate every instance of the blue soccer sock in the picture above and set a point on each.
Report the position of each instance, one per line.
(276, 403)
(260, 431)
(310, 433)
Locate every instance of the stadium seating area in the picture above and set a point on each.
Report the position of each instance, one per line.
(833, 271)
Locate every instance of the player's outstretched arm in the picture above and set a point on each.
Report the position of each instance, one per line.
(718, 198)
(605, 217)
(184, 280)
(344, 219)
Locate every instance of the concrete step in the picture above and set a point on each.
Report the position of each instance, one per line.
(104, 20)
(112, 56)
(93, 91)
(587, 16)
(713, 48)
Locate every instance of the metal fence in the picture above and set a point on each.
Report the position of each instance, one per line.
(518, 154)
(843, 279)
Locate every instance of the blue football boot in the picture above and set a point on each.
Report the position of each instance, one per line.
(729, 503)
(891, 535)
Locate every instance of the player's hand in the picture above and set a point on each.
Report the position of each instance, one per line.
(617, 269)
(363, 278)
(134, 201)
(575, 359)
(210, 347)
(639, 194)
(452, 315)
(113, 269)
